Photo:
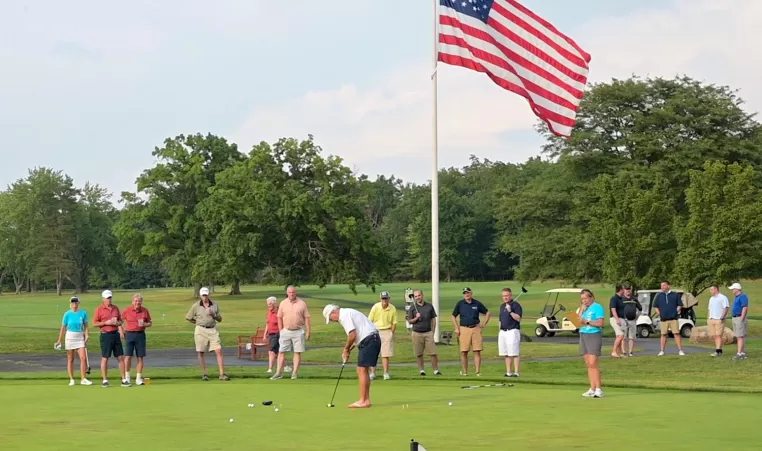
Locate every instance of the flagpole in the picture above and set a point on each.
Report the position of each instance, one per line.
(435, 183)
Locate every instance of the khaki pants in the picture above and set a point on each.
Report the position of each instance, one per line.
(471, 337)
(207, 340)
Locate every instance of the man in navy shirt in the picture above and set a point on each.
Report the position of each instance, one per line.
(740, 310)
(509, 337)
(469, 329)
(668, 304)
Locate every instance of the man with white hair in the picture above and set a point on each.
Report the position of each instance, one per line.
(272, 332)
(361, 332)
(205, 314)
(740, 311)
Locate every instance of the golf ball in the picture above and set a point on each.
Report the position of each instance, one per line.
(450, 402)
(277, 409)
(231, 420)
(251, 405)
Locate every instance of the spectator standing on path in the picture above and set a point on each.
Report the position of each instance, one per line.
(740, 311)
(272, 332)
(205, 314)
(422, 317)
(293, 319)
(668, 304)
(718, 311)
(384, 316)
(361, 332)
(136, 319)
(509, 337)
(469, 330)
(631, 311)
(616, 306)
(591, 340)
(108, 318)
(75, 332)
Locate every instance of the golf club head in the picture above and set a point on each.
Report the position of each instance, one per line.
(523, 290)
(266, 403)
(88, 370)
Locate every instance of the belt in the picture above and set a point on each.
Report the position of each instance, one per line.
(109, 332)
(294, 330)
(736, 316)
(471, 326)
(135, 331)
(370, 337)
(504, 330)
(205, 327)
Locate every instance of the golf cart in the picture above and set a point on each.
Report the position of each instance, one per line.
(547, 324)
(648, 321)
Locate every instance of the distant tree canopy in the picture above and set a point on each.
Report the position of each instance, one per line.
(661, 179)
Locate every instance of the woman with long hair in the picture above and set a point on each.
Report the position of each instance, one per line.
(591, 340)
(74, 326)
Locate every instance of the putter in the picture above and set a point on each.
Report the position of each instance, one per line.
(343, 364)
(523, 290)
(87, 359)
(471, 387)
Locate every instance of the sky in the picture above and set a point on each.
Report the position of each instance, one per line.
(91, 87)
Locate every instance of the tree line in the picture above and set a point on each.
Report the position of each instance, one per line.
(660, 179)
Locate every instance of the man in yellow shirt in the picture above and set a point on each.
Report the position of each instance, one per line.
(384, 316)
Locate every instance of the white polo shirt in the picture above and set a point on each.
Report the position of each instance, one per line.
(352, 319)
(717, 304)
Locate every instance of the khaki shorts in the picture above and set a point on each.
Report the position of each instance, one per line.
(387, 342)
(617, 328)
(716, 327)
(739, 327)
(291, 340)
(672, 325)
(471, 337)
(630, 328)
(423, 343)
(207, 340)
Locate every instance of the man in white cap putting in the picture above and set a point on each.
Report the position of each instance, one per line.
(364, 334)
(205, 314)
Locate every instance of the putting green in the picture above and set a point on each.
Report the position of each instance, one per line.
(184, 415)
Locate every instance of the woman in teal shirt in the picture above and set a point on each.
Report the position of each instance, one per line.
(591, 340)
(74, 326)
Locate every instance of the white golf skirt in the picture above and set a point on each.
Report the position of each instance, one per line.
(74, 340)
(509, 342)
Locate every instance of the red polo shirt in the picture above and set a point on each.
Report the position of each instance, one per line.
(131, 317)
(103, 313)
(272, 322)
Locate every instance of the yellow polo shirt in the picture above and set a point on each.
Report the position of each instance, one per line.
(383, 318)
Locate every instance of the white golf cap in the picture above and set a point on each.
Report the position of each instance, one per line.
(107, 294)
(327, 312)
(203, 291)
(735, 286)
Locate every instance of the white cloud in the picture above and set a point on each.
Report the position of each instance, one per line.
(382, 124)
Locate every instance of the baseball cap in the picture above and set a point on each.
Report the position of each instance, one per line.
(107, 294)
(466, 290)
(385, 295)
(74, 299)
(735, 286)
(203, 292)
(327, 312)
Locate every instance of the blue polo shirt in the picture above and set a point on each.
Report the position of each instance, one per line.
(506, 320)
(469, 312)
(667, 304)
(74, 321)
(593, 313)
(739, 303)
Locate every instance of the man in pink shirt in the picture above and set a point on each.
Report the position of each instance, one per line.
(295, 329)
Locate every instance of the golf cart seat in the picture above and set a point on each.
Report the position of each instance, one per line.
(548, 311)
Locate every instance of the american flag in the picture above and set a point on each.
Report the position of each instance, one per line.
(520, 52)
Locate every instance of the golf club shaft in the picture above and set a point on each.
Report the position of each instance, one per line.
(337, 381)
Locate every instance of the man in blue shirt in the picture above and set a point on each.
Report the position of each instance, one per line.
(509, 337)
(668, 304)
(470, 329)
(740, 311)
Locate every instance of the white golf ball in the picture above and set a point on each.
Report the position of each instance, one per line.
(231, 420)
(277, 409)
(251, 405)
(450, 402)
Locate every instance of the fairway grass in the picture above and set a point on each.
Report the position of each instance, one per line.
(191, 415)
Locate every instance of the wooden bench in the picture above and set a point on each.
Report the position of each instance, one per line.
(256, 346)
(446, 337)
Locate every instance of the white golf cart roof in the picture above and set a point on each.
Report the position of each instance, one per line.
(565, 290)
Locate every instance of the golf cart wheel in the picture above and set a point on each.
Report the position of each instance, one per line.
(551, 334)
(644, 332)
(685, 332)
(540, 331)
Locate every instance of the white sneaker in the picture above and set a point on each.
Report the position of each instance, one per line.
(293, 375)
(661, 352)
(139, 381)
(372, 376)
(589, 394)
(387, 376)
(85, 382)
(681, 352)
(598, 393)
(287, 369)
(269, 370)
(71, 382)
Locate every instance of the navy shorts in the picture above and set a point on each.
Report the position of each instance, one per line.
(369, 350)
(136, 344)
(111, 345)
(274, 341)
